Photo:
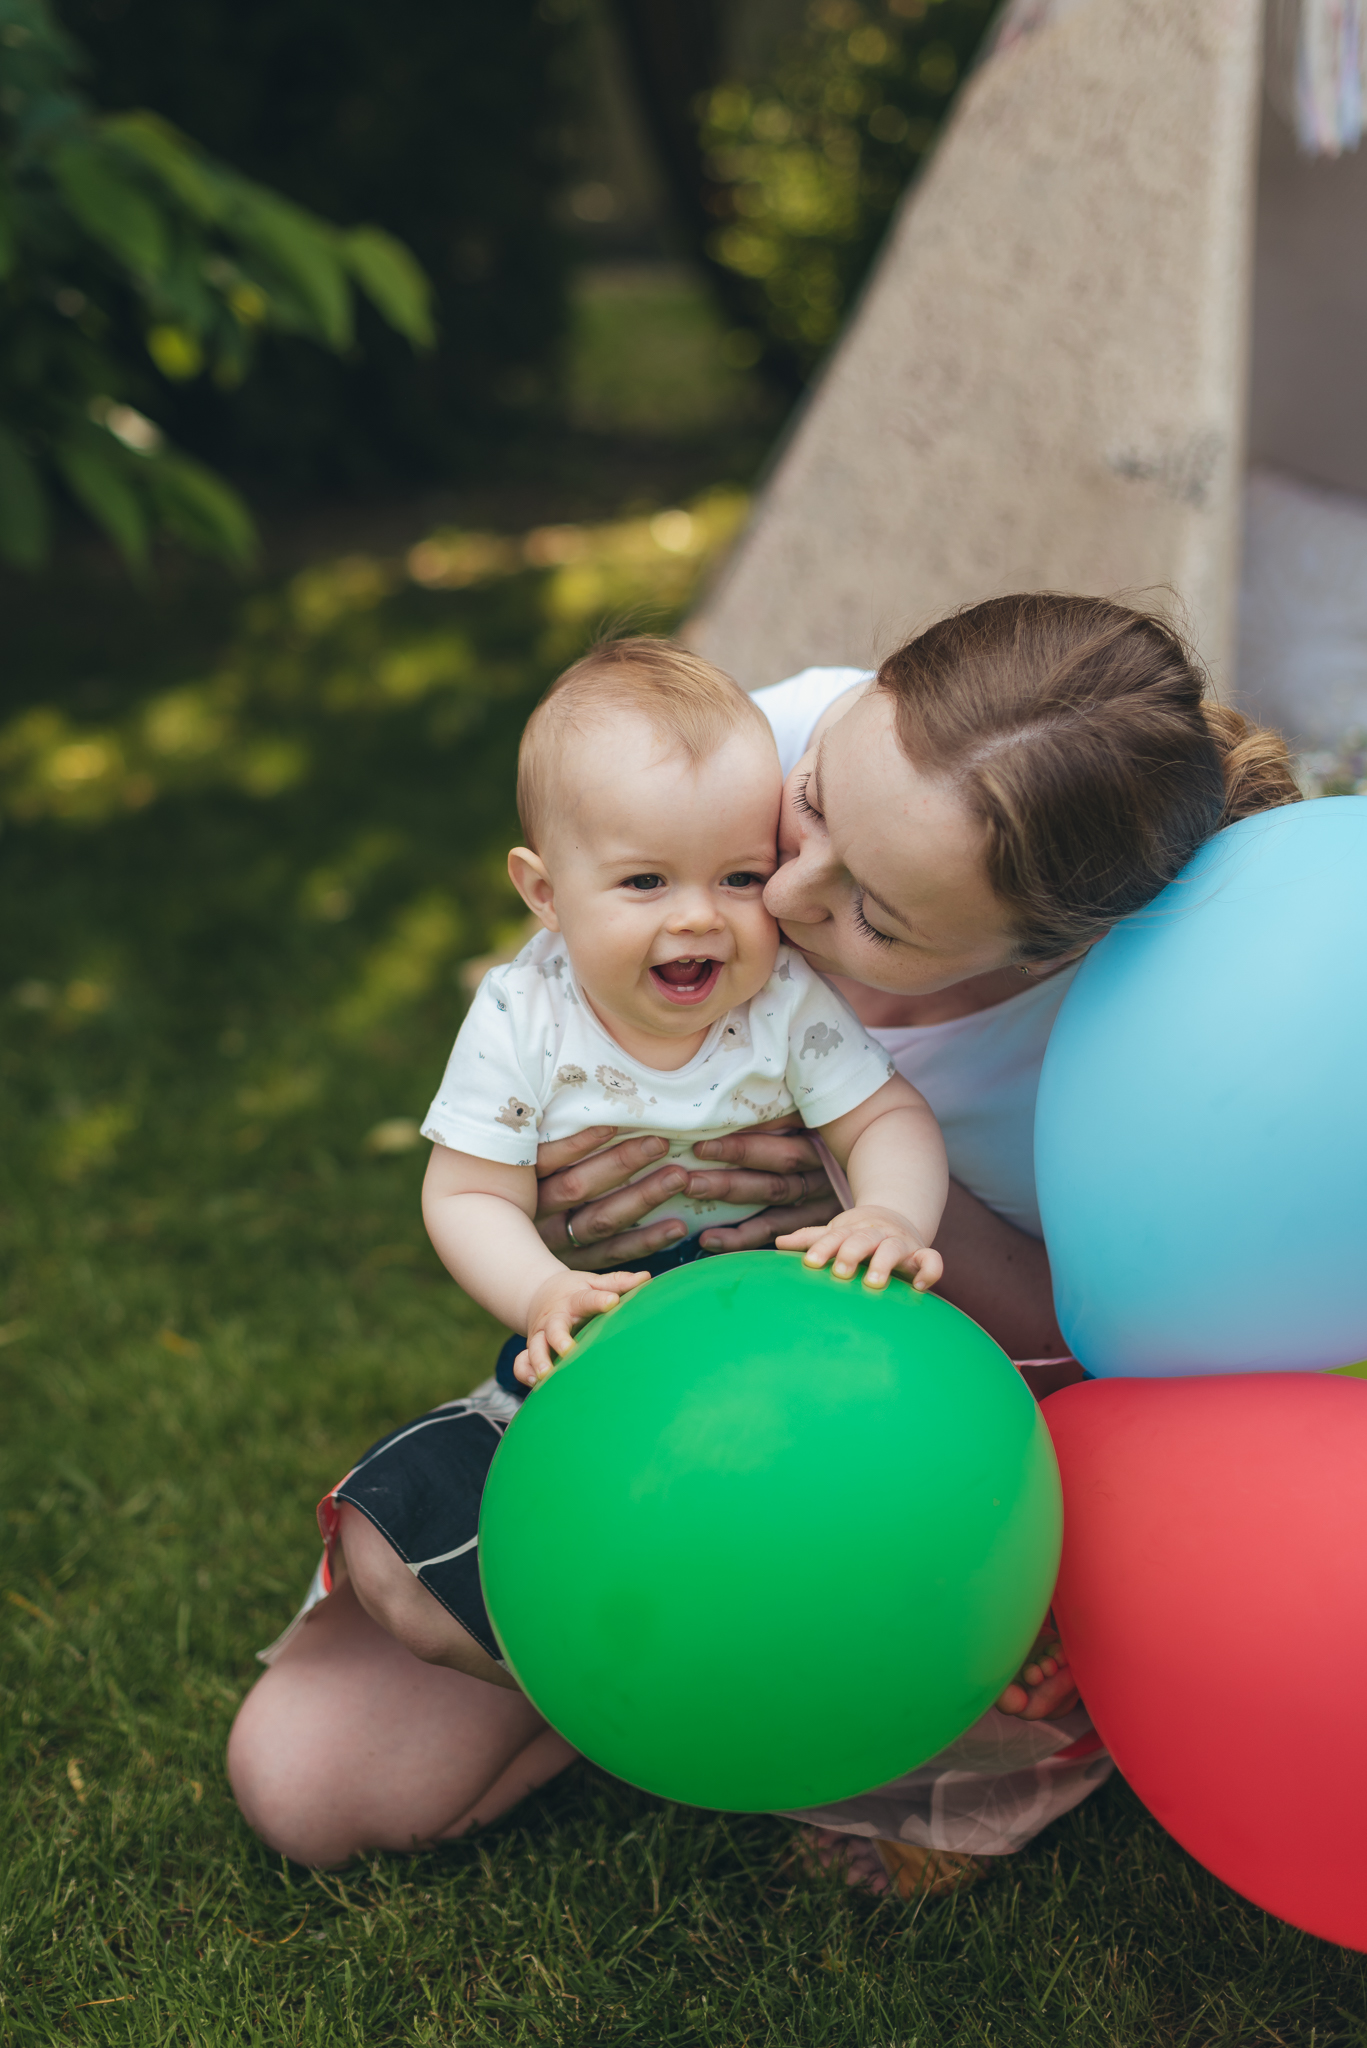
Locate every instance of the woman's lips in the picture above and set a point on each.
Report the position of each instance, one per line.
(685, 982)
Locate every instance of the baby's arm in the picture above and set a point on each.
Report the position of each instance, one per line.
(894, 1159)
(479, 1214)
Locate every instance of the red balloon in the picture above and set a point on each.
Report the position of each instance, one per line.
(1213, 1604)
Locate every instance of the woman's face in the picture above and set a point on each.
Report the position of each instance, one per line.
(883, 877)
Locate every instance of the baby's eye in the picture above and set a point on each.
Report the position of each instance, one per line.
(644, 882)
(745, 878)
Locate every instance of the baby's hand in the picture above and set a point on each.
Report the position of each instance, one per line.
(558, 1307)
(881, 1236)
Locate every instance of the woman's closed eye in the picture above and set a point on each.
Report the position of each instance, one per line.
(870, 931)
(802, 798)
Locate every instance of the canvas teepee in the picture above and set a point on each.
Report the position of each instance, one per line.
(1120, 279)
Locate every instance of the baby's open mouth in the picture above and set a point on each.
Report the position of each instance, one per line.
(686, 981)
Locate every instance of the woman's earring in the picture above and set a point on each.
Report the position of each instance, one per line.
(1025, 971)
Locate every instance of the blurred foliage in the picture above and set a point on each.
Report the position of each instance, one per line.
(437, 118)
(353, 677)
(126, 252)
(811, 167)
(650, 355)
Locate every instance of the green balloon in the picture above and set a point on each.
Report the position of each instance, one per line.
(768, 1539)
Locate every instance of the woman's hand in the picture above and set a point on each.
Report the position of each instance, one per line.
(773, 1165)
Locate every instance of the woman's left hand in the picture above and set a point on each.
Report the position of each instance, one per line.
(782, 1168)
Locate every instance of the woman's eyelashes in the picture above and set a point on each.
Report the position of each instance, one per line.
(802, 800)
(870, 931)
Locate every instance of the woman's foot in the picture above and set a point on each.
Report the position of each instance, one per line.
(1044, 1688)
(880, 1867)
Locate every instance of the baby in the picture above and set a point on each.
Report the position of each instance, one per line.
(658, 993)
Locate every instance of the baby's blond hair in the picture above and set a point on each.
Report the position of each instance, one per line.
(692, 706)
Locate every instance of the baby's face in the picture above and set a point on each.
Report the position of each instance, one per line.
(658, 870)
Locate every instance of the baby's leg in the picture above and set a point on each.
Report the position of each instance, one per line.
(391, 1595)
(1044, 1688)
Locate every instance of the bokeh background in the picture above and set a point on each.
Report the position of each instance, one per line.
(253, 818)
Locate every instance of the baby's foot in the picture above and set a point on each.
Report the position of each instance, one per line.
(1044, 1687)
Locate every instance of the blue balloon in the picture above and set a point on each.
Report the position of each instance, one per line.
(1201, 1131)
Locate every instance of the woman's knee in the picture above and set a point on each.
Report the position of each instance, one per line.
(286, 1794)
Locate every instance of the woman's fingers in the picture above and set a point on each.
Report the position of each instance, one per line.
(741, 1185)
(559, 1152)
(566, 1186)
(767, 1151)
(629, 1244)
(610, 1214)
(769, 1225)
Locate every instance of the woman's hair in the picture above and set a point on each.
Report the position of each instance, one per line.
(692, 706)
(1084, 740)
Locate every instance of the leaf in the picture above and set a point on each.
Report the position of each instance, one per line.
(25, 520)
(172, 158)
(305, 252)
(111, 207)
(100, 477)
(201, 509)
(393, 281)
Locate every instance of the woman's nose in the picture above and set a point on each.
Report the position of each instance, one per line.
(793, 892)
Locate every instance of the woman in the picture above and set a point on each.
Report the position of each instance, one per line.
(957, 831)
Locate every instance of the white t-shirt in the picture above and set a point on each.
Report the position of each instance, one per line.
(532, 1063)
(980, 1074)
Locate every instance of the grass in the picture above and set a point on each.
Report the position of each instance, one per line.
(247, 841)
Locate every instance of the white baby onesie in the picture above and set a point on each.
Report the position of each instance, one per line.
(533, 1063)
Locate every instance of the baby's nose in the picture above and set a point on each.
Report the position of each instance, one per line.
(695, 913)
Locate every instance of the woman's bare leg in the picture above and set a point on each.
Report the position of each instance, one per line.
(349, 1742)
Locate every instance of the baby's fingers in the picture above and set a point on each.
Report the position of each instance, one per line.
(855, 1247)
(537, 1357)
(798, 1240)
(889, 1256)
(925, 1269)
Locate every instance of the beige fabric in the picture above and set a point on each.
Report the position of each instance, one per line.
(1045, 382)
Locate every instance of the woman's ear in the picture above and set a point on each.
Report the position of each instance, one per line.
(527, 873)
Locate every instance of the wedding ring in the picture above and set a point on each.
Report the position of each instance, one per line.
(569, 1231)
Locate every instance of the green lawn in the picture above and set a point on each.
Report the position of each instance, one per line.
(247, 841)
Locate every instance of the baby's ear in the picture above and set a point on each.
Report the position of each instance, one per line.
(527, 873)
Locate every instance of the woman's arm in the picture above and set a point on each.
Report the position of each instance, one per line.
(999, 1276)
